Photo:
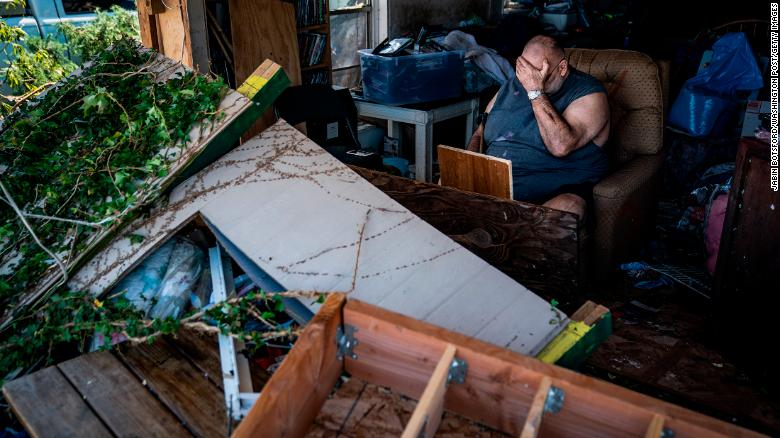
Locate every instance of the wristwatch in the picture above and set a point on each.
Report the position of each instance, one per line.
(533, 94)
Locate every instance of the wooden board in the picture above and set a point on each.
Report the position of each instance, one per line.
(427, 415)
(297, 212)
(119, 398)
(173, 32)
(65, 412)
(188, 393)
(264, 29)
(748, 260)
(172, 383)
(296, 392)
(535, 245)
(474, 172)
(400, 353)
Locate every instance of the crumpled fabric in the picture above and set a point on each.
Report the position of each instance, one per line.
(487, 59)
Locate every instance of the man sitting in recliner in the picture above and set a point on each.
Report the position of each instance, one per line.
(551, 121)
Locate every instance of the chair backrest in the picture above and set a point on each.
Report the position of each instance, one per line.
(320, 106)
(635, 94)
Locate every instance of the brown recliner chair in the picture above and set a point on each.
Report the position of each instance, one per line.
(624, 201)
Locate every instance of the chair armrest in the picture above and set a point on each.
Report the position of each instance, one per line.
(629, 177)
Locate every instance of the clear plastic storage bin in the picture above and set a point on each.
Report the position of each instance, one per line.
(402, 80)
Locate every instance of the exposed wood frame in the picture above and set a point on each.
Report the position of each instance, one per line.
(534, 418)
(311, 369)
(400, 353)
(427, 415)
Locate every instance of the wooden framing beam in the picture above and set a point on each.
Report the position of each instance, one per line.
(291, 399)
(656, 427)
(427, 415)
(534, 419)
(400, 353)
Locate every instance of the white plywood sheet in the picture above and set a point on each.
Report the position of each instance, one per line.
(297, 212)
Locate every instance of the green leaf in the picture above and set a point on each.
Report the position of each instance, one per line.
(135, 239)
(97, 101)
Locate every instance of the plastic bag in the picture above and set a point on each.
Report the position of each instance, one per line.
(706, 99)
(142, 283)
(162, 284)
(181, 277)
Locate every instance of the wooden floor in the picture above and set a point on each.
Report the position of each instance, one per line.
(361, 409)
(172, 387)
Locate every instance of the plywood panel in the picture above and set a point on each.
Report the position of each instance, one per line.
(173, 32)
(299, 214)
(473, 172)
(299, 218)
(264, 29)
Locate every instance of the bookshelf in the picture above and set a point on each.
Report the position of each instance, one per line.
(313, 30)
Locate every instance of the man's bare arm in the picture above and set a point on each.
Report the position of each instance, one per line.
(580, 123)
(475, 144)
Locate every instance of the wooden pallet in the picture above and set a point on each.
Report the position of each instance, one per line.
(503, 390)
(172, 387)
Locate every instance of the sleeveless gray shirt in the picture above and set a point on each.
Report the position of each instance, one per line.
(511, 132)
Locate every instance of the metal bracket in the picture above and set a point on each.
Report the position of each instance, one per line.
(554, 401)
(458, 370)
(422, 429)
(346, 341)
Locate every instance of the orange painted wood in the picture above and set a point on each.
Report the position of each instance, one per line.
(474, 172)
(293, 397)
(400, 353)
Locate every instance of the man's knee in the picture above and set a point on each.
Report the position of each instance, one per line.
(568, 202)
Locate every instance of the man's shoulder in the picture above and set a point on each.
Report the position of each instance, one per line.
(591, 83)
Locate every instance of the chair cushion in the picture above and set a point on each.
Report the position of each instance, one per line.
(635, 97)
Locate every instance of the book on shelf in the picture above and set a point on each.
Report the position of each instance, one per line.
(311, 46)
(317, 77)
(310, 12)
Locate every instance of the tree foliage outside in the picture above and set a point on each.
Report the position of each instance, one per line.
(32, 63)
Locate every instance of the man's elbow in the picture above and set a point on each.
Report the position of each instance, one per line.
(561, 149)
